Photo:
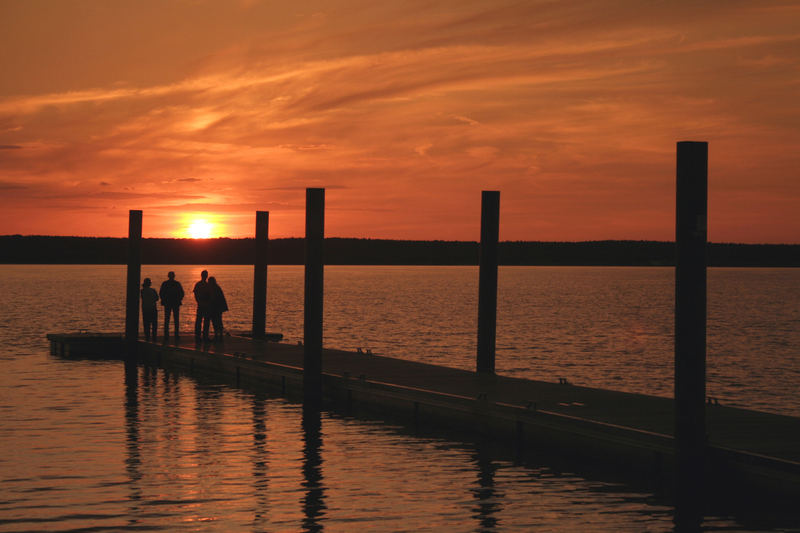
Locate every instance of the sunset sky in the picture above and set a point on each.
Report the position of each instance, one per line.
(404, 111)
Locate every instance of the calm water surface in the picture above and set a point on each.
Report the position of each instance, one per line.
(88, 445)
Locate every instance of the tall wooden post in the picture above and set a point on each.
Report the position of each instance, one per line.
(312, 326)
(134, 274)
(690, 328)
(487, 280)
(260, 275)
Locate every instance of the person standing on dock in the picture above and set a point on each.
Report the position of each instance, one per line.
(171, 298)
(218, 306)
(149, 310)
(202, 295)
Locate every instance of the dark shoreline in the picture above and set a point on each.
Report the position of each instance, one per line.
(17, 249)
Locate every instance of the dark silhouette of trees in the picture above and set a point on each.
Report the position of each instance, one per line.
(18, 249)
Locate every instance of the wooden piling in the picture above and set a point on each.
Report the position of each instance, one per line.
(487, 284)
(260, 275)
(690, 328)
(134, 275)
(314, 269)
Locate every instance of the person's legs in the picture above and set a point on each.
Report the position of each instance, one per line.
(217, 321)
(146, 324)
(206, 324)
(166, 322)
(198, 323)
(176, 317)
(154, 324)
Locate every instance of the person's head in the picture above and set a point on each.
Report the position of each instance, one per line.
(204, 275)
(212, 280)
(146, 282)
(171, 274)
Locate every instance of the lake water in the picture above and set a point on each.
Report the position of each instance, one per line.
(85, 445)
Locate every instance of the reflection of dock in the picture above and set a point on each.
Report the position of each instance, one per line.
(631, 431)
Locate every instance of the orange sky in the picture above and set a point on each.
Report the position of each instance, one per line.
(404, 111)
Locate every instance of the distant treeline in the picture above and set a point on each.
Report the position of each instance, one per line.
(17, 249)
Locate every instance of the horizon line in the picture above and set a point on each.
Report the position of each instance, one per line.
(404, 240)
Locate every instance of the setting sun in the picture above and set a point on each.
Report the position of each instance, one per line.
(200, 225)
(200, 229)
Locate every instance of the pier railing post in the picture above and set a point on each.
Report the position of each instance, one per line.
(487, 280)
(314, 269)
(690, 327)
(260, 275)
(134, 274)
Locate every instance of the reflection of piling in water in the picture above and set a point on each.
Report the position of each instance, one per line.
(260, 464)
(260, 275)
(486, 493)
(134, 273)
(314, 269)
(690, 328)
(133, 461)
(487, 287)
(314, 500)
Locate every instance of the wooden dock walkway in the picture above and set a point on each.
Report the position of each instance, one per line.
(757, 449)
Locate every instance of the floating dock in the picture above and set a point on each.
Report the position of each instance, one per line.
(748, 452)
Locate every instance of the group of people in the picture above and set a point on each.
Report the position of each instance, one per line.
(210, 300)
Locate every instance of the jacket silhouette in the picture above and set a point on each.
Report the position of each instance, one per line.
(171, 294)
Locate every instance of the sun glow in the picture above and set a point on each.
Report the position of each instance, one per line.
(200, 228)
(199, 225)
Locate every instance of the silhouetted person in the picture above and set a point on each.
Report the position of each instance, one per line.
(202, 295)
(218, 306)
(149, 310)
(171, 298)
